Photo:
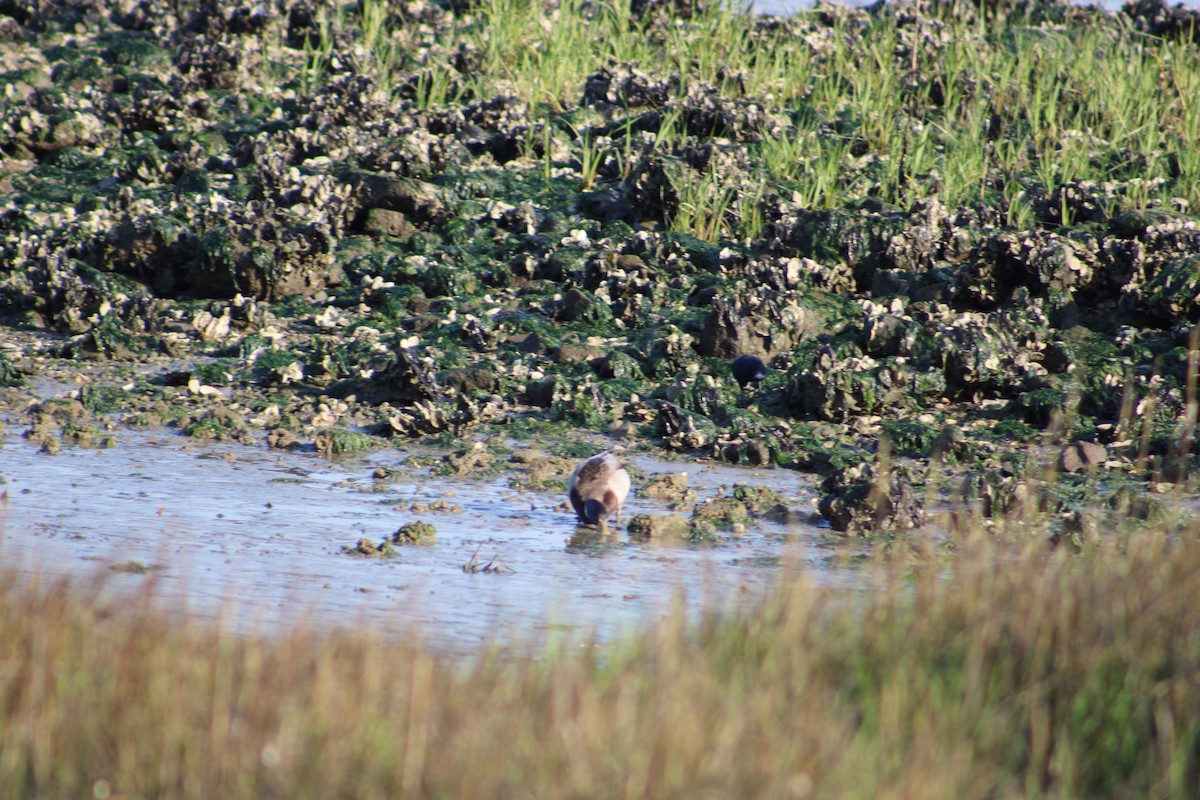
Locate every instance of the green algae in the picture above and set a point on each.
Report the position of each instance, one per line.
(757, 499)
(339, 442)
(9, 374)
(416, 532)
(217, 424)
(722, 512)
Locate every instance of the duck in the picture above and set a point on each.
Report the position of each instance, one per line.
(597, 489)
(749, 369)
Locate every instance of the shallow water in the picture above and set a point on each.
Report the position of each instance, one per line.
(254, 536)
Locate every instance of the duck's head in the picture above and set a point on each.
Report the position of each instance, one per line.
(595, 513)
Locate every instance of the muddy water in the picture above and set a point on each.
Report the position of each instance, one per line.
(254, 536)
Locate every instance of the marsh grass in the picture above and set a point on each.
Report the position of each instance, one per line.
(1007, 668)
(1000, 107)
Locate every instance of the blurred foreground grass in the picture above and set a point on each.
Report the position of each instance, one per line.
(1003, 670)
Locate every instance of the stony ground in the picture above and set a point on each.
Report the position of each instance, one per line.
(197, 232)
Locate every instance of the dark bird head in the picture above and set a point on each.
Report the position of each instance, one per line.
(595, 513)
(749, 369)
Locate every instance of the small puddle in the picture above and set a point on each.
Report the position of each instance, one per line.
(254, 536)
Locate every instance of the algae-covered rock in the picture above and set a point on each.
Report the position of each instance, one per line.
(542, 472)
(367, 548)
(416, 532)
(763, 324)
(215, 423)
(665, 527)
(757, 499)
(859, 241)
(671, 528)
(473, 459)
(673, 488)
(862, 499)
(724, 512)
(339, 442)
(755, 452)
(684, 430)
(992, 352)
(665, 350)
(468, 380)
(9, 374)
(419, 203)
(834, 389)
(1174, 291)
(911, 438)
(408, 378)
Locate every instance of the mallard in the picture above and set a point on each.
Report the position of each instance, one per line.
(597, 488)
(749, 369)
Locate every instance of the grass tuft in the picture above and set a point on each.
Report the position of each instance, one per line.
(1004, 669)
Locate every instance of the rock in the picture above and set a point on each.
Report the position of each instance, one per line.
(1173, 292)
(577, 305)
(647, 194)
(282, 438)
(336, 442)
(684, 430)
(578, 354)
(1082, 455)
(467, 380)
(756, 452)
(541, 471)
(617, 364)
(764, 325)
(367, 548)
(414, 533)
(861, 500)
(420, 204)
(528, 456)
(408, 379)
(672, 488)
(467, 461)
(838, 389)
(421, 418)
(388, 223)
(669, 526)
(541, 393)
(949, 446)
(757, 499)
(886, 335)
(721, 511)
(624, 86)
(528, 343)
(1057, 357)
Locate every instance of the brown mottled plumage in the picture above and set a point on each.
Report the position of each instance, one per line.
(598, 488)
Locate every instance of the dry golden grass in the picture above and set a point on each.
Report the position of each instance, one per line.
(1003, 670)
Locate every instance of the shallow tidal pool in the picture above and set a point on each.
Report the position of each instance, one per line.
(255, 537)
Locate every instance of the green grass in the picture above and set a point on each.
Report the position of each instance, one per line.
(996, 109)
(1005, 669)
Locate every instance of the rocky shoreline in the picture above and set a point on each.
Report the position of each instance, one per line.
(204, 228)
